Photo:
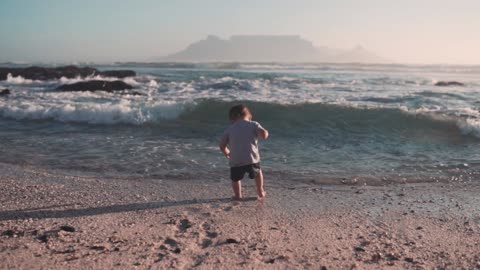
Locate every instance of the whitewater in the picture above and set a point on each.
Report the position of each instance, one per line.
(350, 121)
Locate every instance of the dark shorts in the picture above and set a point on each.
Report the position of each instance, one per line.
(237, 173)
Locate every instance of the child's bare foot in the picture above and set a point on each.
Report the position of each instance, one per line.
(235, 198)
(264, 194)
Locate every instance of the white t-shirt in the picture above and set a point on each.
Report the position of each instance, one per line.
(242, 140)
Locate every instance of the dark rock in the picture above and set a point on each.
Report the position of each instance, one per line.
(359, 249)
(67, 228)
(44, 73)
(323, 268)
(98, 247)
(134, 93)
(47, 73)
(177, 251)
(270, 261)
(4, 92)
(118, 73)
(95, 85)
(450, 83)
(232, 241)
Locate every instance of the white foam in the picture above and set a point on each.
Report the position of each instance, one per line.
(470, 126)
(421, 110)
(128, 80)
(18, 80)
(152, 84)
(119, 111)
(65, 80)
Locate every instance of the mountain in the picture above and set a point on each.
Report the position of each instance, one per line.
(267, 48)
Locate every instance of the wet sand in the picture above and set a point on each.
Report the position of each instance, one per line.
(53, 221)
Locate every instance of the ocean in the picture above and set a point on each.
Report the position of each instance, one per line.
(341, 122)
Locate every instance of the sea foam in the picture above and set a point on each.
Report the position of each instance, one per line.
(115, 112)
(18, 79)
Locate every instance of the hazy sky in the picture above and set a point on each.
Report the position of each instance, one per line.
(409, 31)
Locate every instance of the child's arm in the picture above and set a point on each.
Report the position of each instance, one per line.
(224, 145)
(224, 148)
(262, 133)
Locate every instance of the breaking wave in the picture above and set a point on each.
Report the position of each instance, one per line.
(63, 80)
(286, 118)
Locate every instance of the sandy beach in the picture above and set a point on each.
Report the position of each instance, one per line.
(53, 221)
(124, 123)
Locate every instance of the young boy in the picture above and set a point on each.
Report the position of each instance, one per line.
(242, 138)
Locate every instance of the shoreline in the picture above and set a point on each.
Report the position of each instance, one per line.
(281, 178)
(157, 224)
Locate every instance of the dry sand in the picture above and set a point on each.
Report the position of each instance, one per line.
(159, 224)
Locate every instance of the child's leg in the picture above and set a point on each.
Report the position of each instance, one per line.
(259, 185)
(237, 189)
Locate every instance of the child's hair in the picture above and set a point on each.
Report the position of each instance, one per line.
(238, 111)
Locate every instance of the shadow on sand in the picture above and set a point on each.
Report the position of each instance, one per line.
(42, 213)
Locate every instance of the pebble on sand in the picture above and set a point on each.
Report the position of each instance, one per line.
(232, 241)
(67, 228)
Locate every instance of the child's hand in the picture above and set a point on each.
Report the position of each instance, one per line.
(225, 150)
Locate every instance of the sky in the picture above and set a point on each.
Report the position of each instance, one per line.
(407, 31)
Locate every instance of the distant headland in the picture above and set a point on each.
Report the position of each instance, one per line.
(268, 48)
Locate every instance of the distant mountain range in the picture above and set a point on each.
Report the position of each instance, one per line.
(268, 48)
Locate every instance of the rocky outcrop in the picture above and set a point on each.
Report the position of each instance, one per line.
(118, 73)
(95, 85)
(4, 92)
(450, 83)
(46, 73)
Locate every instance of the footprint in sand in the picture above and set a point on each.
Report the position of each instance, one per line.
(206, 243)
(173, 245)
(211, 234)
(184, 225)
(171, 242)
